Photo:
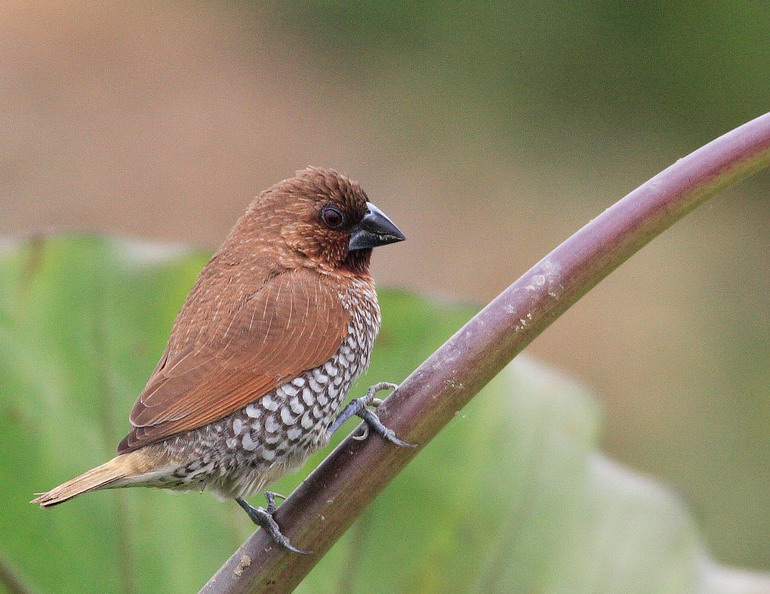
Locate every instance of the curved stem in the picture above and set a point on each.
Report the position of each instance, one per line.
(335, 494)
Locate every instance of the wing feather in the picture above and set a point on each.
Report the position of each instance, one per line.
(293, 323)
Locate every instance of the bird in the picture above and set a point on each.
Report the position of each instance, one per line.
(278, 325)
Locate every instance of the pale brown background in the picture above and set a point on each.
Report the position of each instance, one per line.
(163, 120)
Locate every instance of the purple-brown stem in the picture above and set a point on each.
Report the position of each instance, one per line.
(320, 510)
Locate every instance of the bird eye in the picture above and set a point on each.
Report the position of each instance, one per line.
(332, 217)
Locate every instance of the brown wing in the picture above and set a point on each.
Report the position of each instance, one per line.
(295, 322)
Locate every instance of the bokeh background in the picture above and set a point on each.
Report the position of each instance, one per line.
(487, 131)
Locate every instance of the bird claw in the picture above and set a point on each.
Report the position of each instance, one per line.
(358, 408)
(263, 517)
(372, 422)
(364, 433)
(271, 496)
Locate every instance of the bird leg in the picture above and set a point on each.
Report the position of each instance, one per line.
(263, 517)
(358, 407)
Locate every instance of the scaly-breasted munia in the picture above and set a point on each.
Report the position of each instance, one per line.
(279, 324)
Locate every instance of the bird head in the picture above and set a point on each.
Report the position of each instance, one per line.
(326, 221)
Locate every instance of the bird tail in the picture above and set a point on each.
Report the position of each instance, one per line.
(107, 475)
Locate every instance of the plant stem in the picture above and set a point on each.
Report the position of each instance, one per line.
(319, 511)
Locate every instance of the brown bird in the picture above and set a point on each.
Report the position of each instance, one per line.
(279, 324)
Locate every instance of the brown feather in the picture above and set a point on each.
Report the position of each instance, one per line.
(113, 473)
(295, 322)
(265, 309)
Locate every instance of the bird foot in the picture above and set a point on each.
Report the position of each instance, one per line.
(358, 407)
(263, 517)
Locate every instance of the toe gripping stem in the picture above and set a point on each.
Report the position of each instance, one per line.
(359, 407)
(263, 517)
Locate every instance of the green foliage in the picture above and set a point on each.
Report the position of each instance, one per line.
(524, 66)
(511, 497)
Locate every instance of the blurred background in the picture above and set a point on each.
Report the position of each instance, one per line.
(488, 132)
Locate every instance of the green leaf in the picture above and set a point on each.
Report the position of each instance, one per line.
(512, 497)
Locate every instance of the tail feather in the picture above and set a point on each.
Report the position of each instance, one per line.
(101, 477)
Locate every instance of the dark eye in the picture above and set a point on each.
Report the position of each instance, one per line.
(332, 217)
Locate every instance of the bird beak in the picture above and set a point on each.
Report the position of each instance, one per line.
(374, 229)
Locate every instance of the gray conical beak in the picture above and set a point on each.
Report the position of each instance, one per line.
(375, 229)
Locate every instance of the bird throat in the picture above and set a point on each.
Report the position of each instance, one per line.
(357, 261)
